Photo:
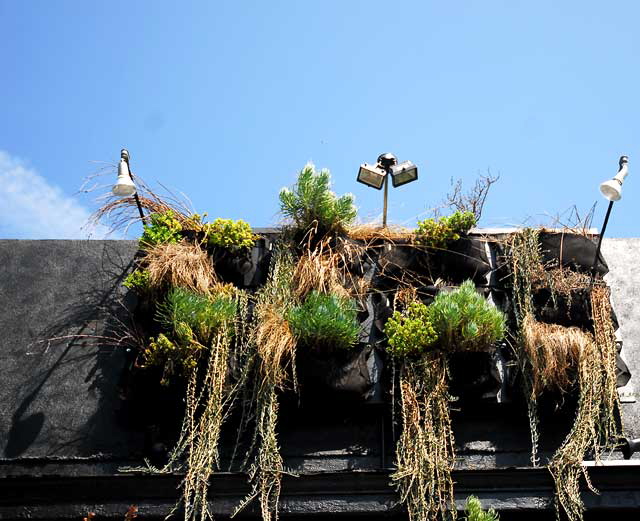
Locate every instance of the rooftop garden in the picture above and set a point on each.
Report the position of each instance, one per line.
(229, 319)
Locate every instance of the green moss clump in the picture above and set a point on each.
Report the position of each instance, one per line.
(465, 321)
(410, 332)
(325, 321)
(438, 233)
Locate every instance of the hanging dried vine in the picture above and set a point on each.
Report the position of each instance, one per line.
(596, 428)
(275, 360)
(524, 258)
(425, 450)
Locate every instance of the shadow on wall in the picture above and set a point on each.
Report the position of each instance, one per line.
(70, 400)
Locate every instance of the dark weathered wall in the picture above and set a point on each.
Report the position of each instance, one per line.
(61, 413)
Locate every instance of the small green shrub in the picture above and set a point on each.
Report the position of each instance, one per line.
(465, 321)
(325, 321)
(138, 281)
(410, 332)
(184, 312)
(229, 234)
(437, 233)
(164, 227)
(474, 512)
(311, 203)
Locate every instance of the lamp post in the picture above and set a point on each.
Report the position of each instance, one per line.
(377, 176)
(612, 191)
(125, 186)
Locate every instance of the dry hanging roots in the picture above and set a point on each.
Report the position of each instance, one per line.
(275, 357)
(596, 427)
(425, 450)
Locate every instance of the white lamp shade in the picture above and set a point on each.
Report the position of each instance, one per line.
(612, 190)
(124, 185)
(403, 173)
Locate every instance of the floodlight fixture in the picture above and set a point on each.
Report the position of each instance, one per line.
(377, 176)
(372, 175)
(403, 173)
(125, 187)
(612, 191)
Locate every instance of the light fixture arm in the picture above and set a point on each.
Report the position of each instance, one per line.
(124, 154)
(604, 227)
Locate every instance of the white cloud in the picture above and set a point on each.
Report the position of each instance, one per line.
(32, 208)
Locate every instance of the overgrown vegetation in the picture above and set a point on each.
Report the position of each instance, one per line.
(312, 207)
(437, 233)
(231, 347)
(554, 357)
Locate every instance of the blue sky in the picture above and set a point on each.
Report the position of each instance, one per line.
(226, 101)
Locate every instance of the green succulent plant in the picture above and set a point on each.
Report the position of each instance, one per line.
(474, 512)
(465, 321)
(311, 203)
(325, 320)
(438, 233)
(410, 332)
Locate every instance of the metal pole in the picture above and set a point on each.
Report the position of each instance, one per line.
(136, 198)
(386, 193)
(604, 227)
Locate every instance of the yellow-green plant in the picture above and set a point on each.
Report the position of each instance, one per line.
(138, 281)
(474, 512)
(410, 332)
(164, 227)
(465, 321)
(229, 234)
(437, 233)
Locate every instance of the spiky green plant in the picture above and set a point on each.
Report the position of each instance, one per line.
(203, 315)
(325, 320)
(311, 205)
(465, 321)
(474, 512)
(410, 332)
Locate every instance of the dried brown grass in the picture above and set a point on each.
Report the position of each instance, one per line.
(554, 352)
(370, 231)
(181, 264)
